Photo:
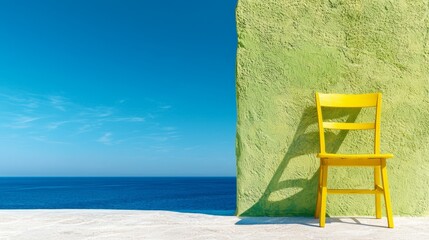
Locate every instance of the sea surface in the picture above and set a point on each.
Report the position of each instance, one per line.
(183, 194)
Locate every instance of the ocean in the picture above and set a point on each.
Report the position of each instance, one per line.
(216, 195)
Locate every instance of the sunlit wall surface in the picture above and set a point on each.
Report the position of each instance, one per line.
(288, 50)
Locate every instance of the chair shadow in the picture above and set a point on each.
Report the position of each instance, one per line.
(355, 221)
(303, 202)
(307, 221)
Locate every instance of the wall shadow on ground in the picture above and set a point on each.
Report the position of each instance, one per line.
(305, 142)
(307, 221)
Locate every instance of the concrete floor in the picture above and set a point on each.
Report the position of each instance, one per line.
(118, 224)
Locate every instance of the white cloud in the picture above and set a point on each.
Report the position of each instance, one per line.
(35, 114)
(168, 128)
(165, 107)
(128, 119)
(26, 119)
(58, 102)
(106, 138)
(85, 128)
(55, 125)
(46, 140)
(22, 122)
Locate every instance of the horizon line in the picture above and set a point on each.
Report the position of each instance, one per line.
(118, 176)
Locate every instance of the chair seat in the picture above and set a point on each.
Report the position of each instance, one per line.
(354, 156)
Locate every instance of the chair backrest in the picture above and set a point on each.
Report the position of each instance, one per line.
(349, 101)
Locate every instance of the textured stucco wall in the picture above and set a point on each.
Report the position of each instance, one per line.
(288, 50)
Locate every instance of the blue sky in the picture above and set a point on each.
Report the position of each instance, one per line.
(117, 88)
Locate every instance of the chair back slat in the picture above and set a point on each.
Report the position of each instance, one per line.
(348, 126)
(348, 100)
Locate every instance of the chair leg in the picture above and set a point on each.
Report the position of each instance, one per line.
(386, 194)
(377, 195)
(319, 185)
(324, 196)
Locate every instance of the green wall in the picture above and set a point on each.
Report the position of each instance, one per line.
(288, 50)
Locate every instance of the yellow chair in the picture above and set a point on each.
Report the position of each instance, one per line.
(376, 160)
